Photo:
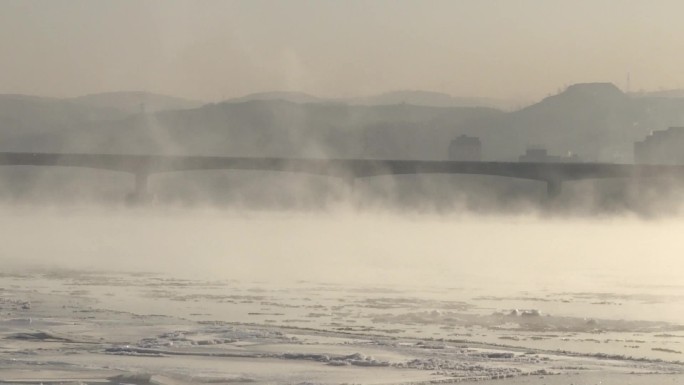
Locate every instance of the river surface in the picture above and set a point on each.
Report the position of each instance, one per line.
(593, 287)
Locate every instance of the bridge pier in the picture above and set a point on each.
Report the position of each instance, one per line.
(140, 193)
(350, 181)
(554, 187)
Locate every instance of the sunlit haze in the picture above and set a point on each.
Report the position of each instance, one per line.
(209, 50)
(333, 192)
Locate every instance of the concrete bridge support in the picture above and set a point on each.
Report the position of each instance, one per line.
(350, 181)
(140, 192)
(554, 188)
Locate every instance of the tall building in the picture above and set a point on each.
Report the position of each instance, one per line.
(465, 148)
(661, 147)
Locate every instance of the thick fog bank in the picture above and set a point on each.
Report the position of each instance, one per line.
(343, 246)
(249, 190)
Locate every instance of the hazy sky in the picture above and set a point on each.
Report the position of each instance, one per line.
(217, 49)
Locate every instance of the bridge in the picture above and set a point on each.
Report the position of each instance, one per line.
(142, 166)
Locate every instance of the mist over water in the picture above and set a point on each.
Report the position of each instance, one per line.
(138, 245)
(350, 247)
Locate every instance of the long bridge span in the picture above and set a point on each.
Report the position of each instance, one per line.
(141, 166)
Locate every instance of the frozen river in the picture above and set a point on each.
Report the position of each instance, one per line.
(335, 297)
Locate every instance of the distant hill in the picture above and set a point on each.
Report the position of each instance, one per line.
(22, 114)
(294, 97)
(417, 98)
(135, 102)
(434, 99)
(281, 128)
(251, 128)
(595, 120)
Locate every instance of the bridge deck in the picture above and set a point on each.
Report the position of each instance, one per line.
(347, 168)
(144, 165)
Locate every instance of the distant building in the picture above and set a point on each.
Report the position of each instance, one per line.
(541, 155)
(661, 147)
(571, 158)
(465, 148)
(538, 155)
